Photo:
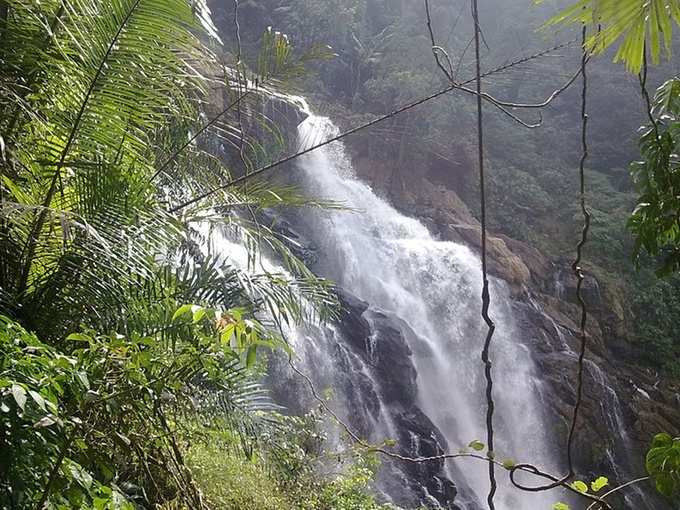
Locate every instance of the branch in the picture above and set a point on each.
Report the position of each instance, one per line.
(555, 482)
(576, 266)
(500, 104)
(620, 487)
(449, 73)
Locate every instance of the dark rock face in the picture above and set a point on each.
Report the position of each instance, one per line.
(379, 340)
(623, 406)
(381, 388)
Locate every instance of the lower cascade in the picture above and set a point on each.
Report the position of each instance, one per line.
(403, 362)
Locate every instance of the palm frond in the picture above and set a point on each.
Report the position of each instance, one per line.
(640, 25)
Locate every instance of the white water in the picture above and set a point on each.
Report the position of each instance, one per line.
(395, 264)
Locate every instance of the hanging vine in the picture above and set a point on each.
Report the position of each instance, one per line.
(486, 298)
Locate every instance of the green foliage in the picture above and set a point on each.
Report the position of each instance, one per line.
(655, 221)
(88, 172)
(643, 26)
(599, 483)
(231, 482)
(663, 464)
(477, 445)
(289, 475)
(316, 478)
(640, 25)
(580, 486)
(131, 331)
(39, 431)
(657, 306)
(101, 414)
(509, 464)
(349, 492)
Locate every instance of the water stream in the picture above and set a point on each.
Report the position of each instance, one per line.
(394, 263)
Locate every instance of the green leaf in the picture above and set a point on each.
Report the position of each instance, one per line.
(45, 421)
(663, 464)
(80, 337)
(184, 309)
(477, 445)
(91, 396)
(600, 483)
(37, 398)
(638, 25)
(509, 464)
(580, 486)
(560, 506)
(251, 356)
(82, 377)
(78, 473)
(662, 440)
(198, 314)
(19, 394)
(227, 333)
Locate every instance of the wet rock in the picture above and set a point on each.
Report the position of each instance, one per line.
(381, 340)
(352, 320)
(391, 356)
(418, 437)
(565, 286)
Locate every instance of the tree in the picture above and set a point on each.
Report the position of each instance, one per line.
(122, 326)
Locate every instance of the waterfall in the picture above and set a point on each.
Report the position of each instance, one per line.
(393, 263)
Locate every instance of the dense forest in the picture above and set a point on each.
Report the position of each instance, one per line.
(339, 254)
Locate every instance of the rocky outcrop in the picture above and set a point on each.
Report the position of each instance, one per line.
(379, 339)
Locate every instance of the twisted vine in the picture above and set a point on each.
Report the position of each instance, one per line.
(486, 298)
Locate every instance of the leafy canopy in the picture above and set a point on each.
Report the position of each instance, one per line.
(124, 325)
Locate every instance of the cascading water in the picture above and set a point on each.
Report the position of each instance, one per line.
(607, 403)
(393, 263)
(404, 363)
